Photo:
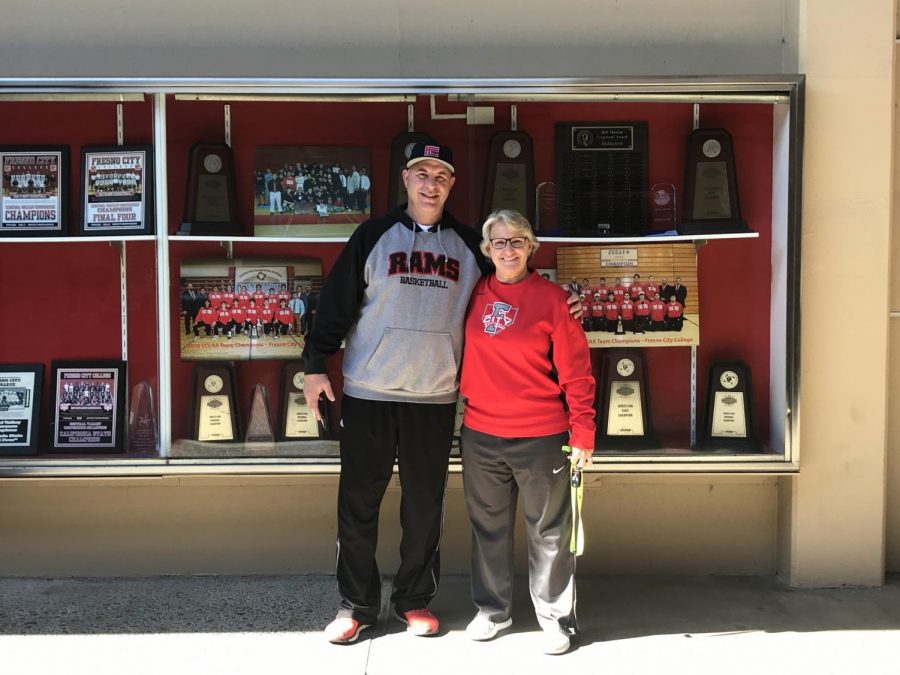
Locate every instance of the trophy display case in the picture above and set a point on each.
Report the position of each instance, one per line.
(248, 193)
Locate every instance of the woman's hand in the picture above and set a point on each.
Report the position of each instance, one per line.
(581, 458)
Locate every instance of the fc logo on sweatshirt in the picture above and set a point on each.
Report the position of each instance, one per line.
(498, 316)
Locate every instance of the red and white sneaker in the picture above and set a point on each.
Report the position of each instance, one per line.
(344, 630)
(419, 621)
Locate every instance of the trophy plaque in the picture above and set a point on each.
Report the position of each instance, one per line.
(601, 178)
(510, 174)
(143, 433)
(401, 147)
(214, 411)
(20, 402)
(624, 402)
(297, 420)
(88, 404)
(545, 207)
(729, 408)
(662, 207)
(711, 203)
(259, 427)
(210, 206)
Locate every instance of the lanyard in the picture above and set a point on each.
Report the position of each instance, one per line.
(576, 491)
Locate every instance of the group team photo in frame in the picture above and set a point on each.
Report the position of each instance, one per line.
(33, 190)
(635, 295)
(20, 403)
(246, 308)
(117, 190)
(301, 191)
(88, 406)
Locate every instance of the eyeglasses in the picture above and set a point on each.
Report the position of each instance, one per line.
(500, 243)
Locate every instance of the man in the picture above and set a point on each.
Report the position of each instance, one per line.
(636, 288)
(611, 312)
(274, 186)
(284, 319)
(650, 288)
(619, 291)
(298, 309)
(626, 311)
(304, 320)
(674, 314)
(679, 291)
(641, 314)
(215, 298)
(665, 289)
(657, 314)
(598, 321)
(398, 294)
(352, 186)
(362, 195)
(190, 305)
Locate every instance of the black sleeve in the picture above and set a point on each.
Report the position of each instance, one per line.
(338, 305)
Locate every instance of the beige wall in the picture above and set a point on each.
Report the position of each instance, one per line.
(892, 552)
(834, 526)
(276, 525)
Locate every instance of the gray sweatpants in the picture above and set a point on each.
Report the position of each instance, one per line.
(495, 470)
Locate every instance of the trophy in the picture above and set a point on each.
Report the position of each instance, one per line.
(214, 413)
(620, 329)
(662, 207)
(510, 174)
(210, 206)
(729, 408)
(711, 203)
(624, 401)
(297, 420)
(401, 147)
(545, 209)
(259, 427)
(143, 434)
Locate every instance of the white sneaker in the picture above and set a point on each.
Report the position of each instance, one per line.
(482, 628)
(555, 641)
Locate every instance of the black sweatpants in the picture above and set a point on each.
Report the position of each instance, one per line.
(373, 434)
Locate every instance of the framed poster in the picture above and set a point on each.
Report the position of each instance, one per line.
(88, 406)
(246, 309)
(33, 190)
(20, 402)
(310, 190)
(117, 190)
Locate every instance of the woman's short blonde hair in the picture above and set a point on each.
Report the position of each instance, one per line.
(516, 222)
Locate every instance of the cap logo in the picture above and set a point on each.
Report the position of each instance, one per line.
(432, 151)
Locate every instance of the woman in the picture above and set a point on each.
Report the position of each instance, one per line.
(514, 427)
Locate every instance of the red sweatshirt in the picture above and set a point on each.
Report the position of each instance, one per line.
(206, 315)
(510, 331)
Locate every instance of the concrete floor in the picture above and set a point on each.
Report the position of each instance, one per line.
(262, 625)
